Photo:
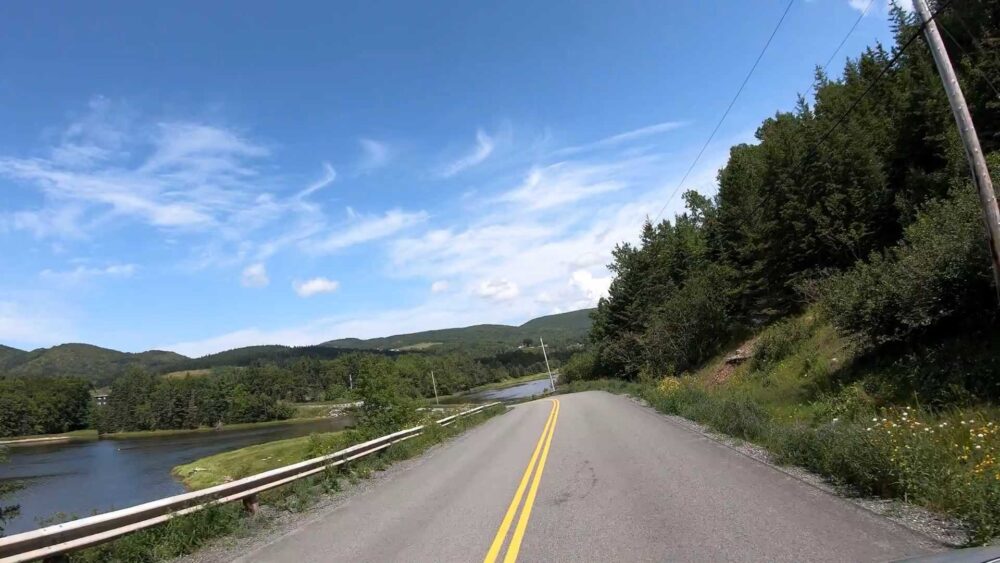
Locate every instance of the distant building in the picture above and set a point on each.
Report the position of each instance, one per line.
(100, 396)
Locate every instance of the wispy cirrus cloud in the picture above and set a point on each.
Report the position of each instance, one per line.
(365, 228)
(621, 138)
(82, 273)
(483, 149)
(374, 155)
(111, 169)
(569, 182)
(329, 175)
(169, 175)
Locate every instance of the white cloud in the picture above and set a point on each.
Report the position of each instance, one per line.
(554, 255)
(593, 287)
(329, 175)
(174, 175)
(515, 267)
(82, 273)
(315, 286)
(255, 275)
(625, 137)
(364, 229)
(375, 154)
(483, 149)
(497, 290)
(568, 182)
(439, 286)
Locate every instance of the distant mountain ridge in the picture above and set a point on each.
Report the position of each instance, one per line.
(561, 328)
(82, 360)
(101, 365)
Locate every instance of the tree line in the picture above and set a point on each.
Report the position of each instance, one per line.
(140, 400)
(43, 405)
(868, 212)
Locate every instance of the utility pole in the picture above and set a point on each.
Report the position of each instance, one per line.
(980, 172)
(434, 383)
(547, 368)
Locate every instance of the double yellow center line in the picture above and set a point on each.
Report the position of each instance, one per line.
(535, 466)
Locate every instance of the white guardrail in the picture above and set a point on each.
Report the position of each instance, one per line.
(52, 541)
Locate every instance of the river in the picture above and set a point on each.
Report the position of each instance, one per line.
(82, 478)
(78, 479)
(518, 391)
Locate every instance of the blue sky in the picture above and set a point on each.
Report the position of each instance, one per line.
(201, 176)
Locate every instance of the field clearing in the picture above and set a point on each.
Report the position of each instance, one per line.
(184, 374)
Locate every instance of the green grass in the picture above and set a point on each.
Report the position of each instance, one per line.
(185, 534)
(227, 466)
(184, 374)
(86, 434)
(419, 346)
(811, 402)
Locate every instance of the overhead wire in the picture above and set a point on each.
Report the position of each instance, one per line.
(857, 101)
(726, 113)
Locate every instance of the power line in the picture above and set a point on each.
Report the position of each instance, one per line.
(725, 113)
(861, 16)
(857, 101)
(956, 42)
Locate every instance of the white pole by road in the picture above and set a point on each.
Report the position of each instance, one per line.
(434, 383)
(980, 172)
(547, 368)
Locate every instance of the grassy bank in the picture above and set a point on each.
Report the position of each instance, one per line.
(806, 396)
(224, 428)
(318, 409)
(228, 466)
(185, 534)
(48, 438)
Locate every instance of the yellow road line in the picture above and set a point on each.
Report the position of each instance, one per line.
(522, 523)
(494, 552)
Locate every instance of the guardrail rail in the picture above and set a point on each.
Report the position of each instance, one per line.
(54, 541)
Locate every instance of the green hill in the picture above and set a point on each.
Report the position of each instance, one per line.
(9, 356)
(264, 353)
(559, 329)
(101, 365)
(84, 360)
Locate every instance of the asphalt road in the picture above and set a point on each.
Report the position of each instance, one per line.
(618, 482)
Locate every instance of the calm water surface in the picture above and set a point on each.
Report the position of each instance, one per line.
(519, 391)
(80, 478)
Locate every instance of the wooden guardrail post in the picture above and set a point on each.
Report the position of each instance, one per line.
(251, 504)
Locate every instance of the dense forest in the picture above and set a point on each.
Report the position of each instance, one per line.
(43, 406)
(263, 390)
(859, 204)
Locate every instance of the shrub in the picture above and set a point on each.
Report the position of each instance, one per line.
(386, 407)
(692, 324)
(940, 272)
(778, 342)
(581, 366)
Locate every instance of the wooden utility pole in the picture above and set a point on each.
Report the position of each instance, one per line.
(434, 383)
(547, 368)
(980, 172)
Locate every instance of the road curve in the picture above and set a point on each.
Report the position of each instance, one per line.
(618, 482)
